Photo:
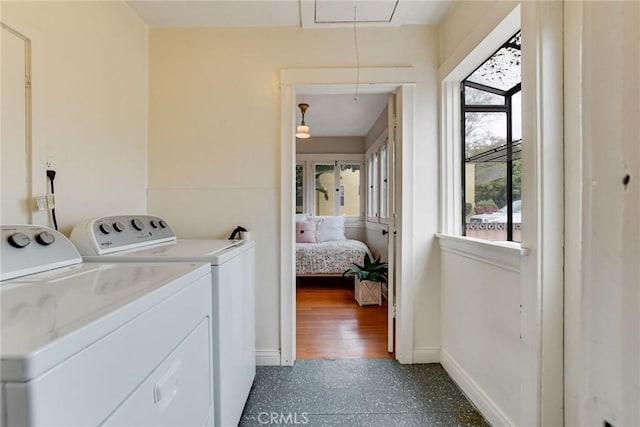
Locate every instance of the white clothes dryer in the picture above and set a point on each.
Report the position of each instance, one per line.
(100, 343)
(146, 238)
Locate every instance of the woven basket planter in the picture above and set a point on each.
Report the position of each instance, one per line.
(368, 292)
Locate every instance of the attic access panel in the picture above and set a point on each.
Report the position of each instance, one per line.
(340, 12)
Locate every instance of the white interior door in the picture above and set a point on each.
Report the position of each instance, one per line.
(391, 175)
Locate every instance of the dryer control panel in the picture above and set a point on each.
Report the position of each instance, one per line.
(100, 236)
(28, 249)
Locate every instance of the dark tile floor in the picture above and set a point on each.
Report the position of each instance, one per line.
(357, 392)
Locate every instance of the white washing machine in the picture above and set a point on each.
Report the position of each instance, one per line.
(145, 238)
(100, 343)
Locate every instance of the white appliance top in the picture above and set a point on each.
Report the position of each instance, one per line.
(130, 245)
(47, 317)
(27, 249)
(52, 305)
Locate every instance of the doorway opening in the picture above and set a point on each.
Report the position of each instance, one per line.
(342, 203)
(398, 308)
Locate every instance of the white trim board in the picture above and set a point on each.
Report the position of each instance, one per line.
(473, 391)
(268, 357)
(426, 355)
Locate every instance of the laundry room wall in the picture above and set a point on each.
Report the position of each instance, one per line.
(89, 94)
(214, 143)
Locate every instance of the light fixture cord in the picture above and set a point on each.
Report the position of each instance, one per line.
(355, 40)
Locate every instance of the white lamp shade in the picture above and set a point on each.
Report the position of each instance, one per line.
(302, 132)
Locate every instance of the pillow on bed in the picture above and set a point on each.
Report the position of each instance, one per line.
(306, 232)
(330, 228)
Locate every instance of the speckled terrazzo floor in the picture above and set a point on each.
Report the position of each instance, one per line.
(357, 392)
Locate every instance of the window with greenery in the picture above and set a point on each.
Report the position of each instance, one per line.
(337, 188)
(492, 143)
(300, 188)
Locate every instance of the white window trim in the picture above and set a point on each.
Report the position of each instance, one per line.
(310, 160)
(376, 149)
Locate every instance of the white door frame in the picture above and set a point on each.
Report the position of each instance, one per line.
(335, 81)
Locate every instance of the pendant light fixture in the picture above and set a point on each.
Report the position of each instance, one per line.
(302, 131)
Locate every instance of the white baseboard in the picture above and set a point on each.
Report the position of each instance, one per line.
(426, 355)
(474, 392)
(268, 357)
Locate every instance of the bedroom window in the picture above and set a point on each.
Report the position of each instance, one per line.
(337, 188)
(491, 146)
(300, 207)
(384, 189)
(372, 185)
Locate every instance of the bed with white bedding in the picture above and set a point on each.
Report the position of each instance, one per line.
(328, 258)
(322, 248)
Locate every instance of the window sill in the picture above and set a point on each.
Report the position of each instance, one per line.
(505, 255)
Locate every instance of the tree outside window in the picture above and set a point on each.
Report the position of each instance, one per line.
(491, 138)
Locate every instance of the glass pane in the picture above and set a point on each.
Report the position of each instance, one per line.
(325, 191)
(516, 116)
(372, 201)
(517, 203)
(350, 190)
(479, 97)
(484, 131)
(299, 188)
(485, 182)
(384, 189)
(501, 70)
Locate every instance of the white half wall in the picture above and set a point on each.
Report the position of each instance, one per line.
(89, 94)
(481, 329)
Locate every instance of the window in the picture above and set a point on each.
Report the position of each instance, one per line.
(300, 188)
(378, 181)
(491, 146)
(372, 185)
(337, 188)
(384, 187)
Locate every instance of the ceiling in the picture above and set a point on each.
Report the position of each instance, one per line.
(328, 115)
(285, 13)
(341, 115)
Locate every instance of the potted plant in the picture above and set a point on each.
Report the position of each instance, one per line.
(368, 280)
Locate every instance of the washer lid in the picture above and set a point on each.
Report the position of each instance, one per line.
(47, 317)
(214, 252)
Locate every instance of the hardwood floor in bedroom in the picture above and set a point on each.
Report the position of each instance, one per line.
(331, 324)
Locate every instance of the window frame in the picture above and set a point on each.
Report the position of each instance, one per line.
(311, 160)
(506, 108)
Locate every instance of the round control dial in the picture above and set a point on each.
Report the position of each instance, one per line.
(19, 240)
(45, 238)
(163, 224)
(137, 224)
(118, 226)
(105, 228)
(153, 223)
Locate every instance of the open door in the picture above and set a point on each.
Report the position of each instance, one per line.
(392, 232)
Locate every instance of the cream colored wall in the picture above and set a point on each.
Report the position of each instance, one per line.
(464, 25)
(89, 105)
(214, 139)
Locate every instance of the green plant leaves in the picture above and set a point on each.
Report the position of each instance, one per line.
(375, 271)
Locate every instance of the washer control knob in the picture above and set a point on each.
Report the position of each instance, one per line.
(118, 226)
(153, 223)
(19, 240)
(105, 228)
(137, 224)
(45, 238)
(163, 224)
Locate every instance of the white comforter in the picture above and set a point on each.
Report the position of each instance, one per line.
(329, 258)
